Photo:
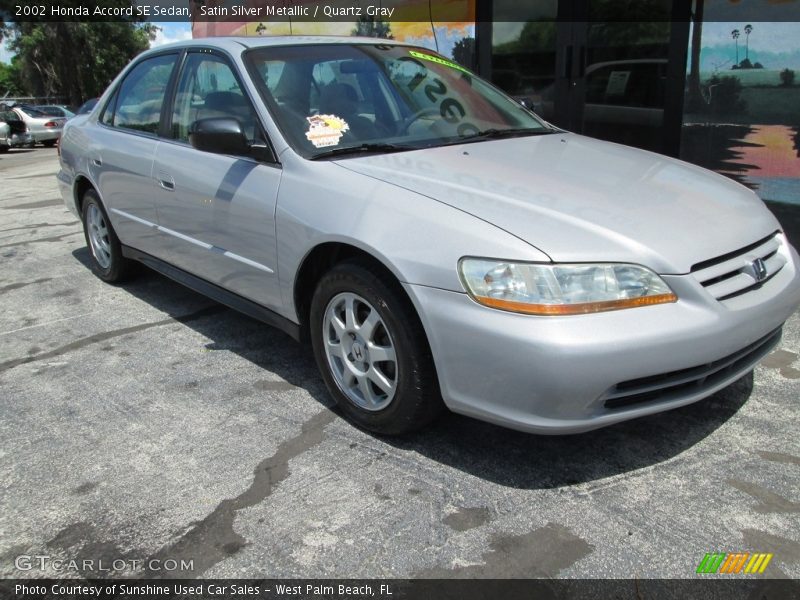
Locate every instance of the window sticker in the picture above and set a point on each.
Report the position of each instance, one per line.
(326, 130)
(436, 59)
(617, 83)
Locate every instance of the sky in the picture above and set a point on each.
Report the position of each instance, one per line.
(170, 32)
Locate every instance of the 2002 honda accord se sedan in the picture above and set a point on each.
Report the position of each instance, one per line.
(437, 243)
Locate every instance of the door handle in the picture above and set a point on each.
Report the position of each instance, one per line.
(166, 181)
(96, 161)
(567, 73)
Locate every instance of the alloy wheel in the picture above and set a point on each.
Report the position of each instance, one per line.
(360, 351)
(98, 236)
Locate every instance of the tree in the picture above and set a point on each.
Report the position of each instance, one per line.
(10, 79)
(75, 60)
(464, 52)
(735, 36)
(726, 95)
(747, 30)
(787, 77)
(372, 27)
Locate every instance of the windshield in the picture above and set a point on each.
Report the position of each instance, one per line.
(332, 97)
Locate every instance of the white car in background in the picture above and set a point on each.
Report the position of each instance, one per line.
(13, 131)
(44, 129)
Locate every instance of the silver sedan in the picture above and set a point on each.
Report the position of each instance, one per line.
(435, 242)
(43, 128)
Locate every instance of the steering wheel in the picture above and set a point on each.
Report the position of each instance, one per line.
(409, 120)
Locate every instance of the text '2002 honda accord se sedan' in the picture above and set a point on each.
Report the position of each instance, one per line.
(437, 243)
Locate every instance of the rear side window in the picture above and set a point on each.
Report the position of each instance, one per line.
(138, 101)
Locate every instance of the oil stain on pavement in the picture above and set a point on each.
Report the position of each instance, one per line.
(544, 552)
(214, 539)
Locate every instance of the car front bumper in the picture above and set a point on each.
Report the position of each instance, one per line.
(562, 375)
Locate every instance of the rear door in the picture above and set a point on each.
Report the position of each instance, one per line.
(123, 147)
(216, 212)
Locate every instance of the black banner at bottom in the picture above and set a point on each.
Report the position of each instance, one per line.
(399, 589)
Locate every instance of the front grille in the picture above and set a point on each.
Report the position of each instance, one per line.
(734, 273)
(685, 382)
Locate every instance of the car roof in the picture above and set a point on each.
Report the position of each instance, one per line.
(237, 44)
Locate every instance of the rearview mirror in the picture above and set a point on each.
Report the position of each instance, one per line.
(221, 135)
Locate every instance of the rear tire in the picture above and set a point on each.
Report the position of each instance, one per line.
(49, 143)
(372, 351)
(107, 260)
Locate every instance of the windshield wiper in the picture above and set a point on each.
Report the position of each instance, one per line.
(495, 134)
(363, 149)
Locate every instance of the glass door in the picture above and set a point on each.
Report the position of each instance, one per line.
(580, 69)
(620, 81)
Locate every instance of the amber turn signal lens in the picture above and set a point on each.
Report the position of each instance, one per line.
(574, 309)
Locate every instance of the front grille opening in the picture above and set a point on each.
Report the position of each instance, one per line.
(733, 274)
(751, 288)
(684, 382)
(730, 275)
(721, 259)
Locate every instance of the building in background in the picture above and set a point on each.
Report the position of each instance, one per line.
(702, 80)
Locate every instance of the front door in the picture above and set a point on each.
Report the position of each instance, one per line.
(216, 212)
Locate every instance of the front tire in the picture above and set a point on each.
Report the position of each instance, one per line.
(372, 351)
(107, 260)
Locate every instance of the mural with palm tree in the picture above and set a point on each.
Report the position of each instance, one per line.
(735, 36)
(747, 30)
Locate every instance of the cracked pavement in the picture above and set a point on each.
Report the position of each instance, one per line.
(143, 420)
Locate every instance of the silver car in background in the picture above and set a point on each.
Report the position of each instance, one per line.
(44, 128)
(13, 131)
(436, 243)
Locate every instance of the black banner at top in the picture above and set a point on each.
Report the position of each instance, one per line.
(439, 11)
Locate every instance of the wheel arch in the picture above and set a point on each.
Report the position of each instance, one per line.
(323, 257)
(82, 185)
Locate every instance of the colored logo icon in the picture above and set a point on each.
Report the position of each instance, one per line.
(734, 562)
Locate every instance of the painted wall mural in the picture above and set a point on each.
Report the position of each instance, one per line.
(742, 105)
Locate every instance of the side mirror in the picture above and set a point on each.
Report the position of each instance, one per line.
(527, 102)
(221, 135)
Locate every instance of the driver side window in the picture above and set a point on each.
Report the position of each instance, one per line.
(208, 89)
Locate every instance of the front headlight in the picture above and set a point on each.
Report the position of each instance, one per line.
(561, 289)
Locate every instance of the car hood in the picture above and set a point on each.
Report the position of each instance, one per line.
(580, 199)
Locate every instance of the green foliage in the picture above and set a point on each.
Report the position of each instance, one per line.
(787, 77)
(534, 37)
(372, 27)
(10, 79)
(74, 60)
